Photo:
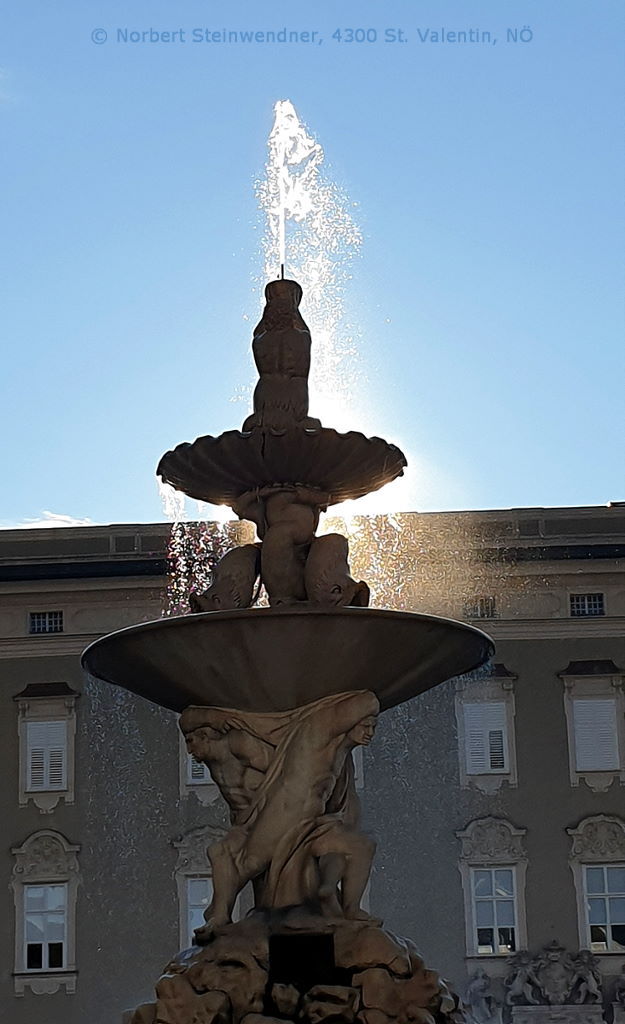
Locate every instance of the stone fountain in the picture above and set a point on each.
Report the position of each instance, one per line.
(274, 700)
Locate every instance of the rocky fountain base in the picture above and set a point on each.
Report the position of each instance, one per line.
(298, 965)
(274, 700)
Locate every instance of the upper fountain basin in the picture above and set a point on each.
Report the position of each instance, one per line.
(220, 469)
(276, 659)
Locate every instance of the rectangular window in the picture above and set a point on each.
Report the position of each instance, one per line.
(482, 608)
(45, 622)
(596, 735)
(197, 772)
(199, 896)
(587, 604)
(486, 740)
(605, 907)
(45, 927)
(46, 756)
(494, 910)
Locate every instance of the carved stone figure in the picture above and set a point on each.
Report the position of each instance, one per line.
(521, 981)
(288, 779)
(221, 986)
(554, 973)
(281, 348)
(285, 998)
(414, 997)
(294, 564)
(327, 576)
(481, 1004)
(286, 518)
(587, 978)
(233, 583)
(619, 988)
(144, 1014)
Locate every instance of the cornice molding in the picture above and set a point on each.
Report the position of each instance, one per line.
(553, 629)
(57, 645)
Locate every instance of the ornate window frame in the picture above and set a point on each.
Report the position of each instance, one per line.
(597, 840)
(595, 685)
(192, 863)
(45, 858)
(492, 843)
(495, 688)
(46, 702)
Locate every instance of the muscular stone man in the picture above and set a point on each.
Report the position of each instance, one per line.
(285, 824)
(238, 760)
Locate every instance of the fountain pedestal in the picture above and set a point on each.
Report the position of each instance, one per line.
(298, 965)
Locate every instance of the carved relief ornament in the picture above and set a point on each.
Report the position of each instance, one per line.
(45, 856)
(492, 840)
(192, 857)
(598, 838)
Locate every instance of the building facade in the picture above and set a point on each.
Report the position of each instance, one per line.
(497, 800)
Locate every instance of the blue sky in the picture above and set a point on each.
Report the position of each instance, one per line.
(489, 292)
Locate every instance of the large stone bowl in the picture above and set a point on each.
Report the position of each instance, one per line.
(276, 659)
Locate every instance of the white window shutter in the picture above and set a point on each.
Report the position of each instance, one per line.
(46, 755)
(485, 737)
(36, 767)
(596, 737)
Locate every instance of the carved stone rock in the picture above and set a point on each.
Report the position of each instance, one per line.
(329, 1003)
(228, 980)
(144, 1014)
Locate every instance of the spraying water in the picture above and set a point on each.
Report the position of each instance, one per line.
(410, 562)
(310, 231)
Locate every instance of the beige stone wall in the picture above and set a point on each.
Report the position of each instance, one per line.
(130, 809)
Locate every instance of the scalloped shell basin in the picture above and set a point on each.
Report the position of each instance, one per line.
(276, 659)
(220, 469)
